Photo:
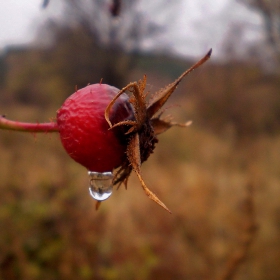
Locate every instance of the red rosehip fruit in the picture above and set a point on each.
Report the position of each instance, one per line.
(85, 133)
(103, 129)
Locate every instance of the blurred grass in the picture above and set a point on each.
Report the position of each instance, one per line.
(50, 229)
(204, 174)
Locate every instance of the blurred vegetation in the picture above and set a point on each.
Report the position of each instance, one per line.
(270, 13)
(220, 177)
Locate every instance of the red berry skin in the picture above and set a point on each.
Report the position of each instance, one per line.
(85, 133)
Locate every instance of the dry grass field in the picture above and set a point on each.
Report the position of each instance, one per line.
(220, 177)
(224, 195)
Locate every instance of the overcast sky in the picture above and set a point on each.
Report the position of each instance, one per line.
(19, 19)
(198, 25)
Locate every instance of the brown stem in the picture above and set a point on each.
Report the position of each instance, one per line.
(28, 127)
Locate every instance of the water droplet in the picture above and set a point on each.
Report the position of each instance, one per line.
(100, 185)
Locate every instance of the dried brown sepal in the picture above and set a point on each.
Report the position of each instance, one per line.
(122, 175)
(150, 194)
(144, 127)
(160, 97)
(134, 157)
(97, 205)
(161, 125)
(107, 111)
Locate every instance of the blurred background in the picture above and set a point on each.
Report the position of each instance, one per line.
(220, 177)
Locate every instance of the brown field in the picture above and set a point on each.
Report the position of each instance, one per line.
(220, 177)
(223, 196)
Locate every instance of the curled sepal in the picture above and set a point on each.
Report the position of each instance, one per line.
(137, 100)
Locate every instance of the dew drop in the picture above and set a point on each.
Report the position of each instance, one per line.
(100, 185)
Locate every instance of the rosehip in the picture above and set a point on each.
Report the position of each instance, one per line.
(102, 129)
(85, 133)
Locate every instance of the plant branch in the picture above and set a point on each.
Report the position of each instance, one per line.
(27, 127)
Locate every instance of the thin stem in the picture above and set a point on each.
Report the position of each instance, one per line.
(27, 127)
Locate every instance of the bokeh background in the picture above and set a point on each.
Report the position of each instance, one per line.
(220, 176)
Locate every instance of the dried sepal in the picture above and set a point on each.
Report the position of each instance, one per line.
(134, 157)
(108, 109)
(138, 102)
(127, 122)
(97, 205)
(133, 152)
(159, 98)
(161, 125)
(150, 194)
(144, 127)
(142, 85)
(122, 174)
